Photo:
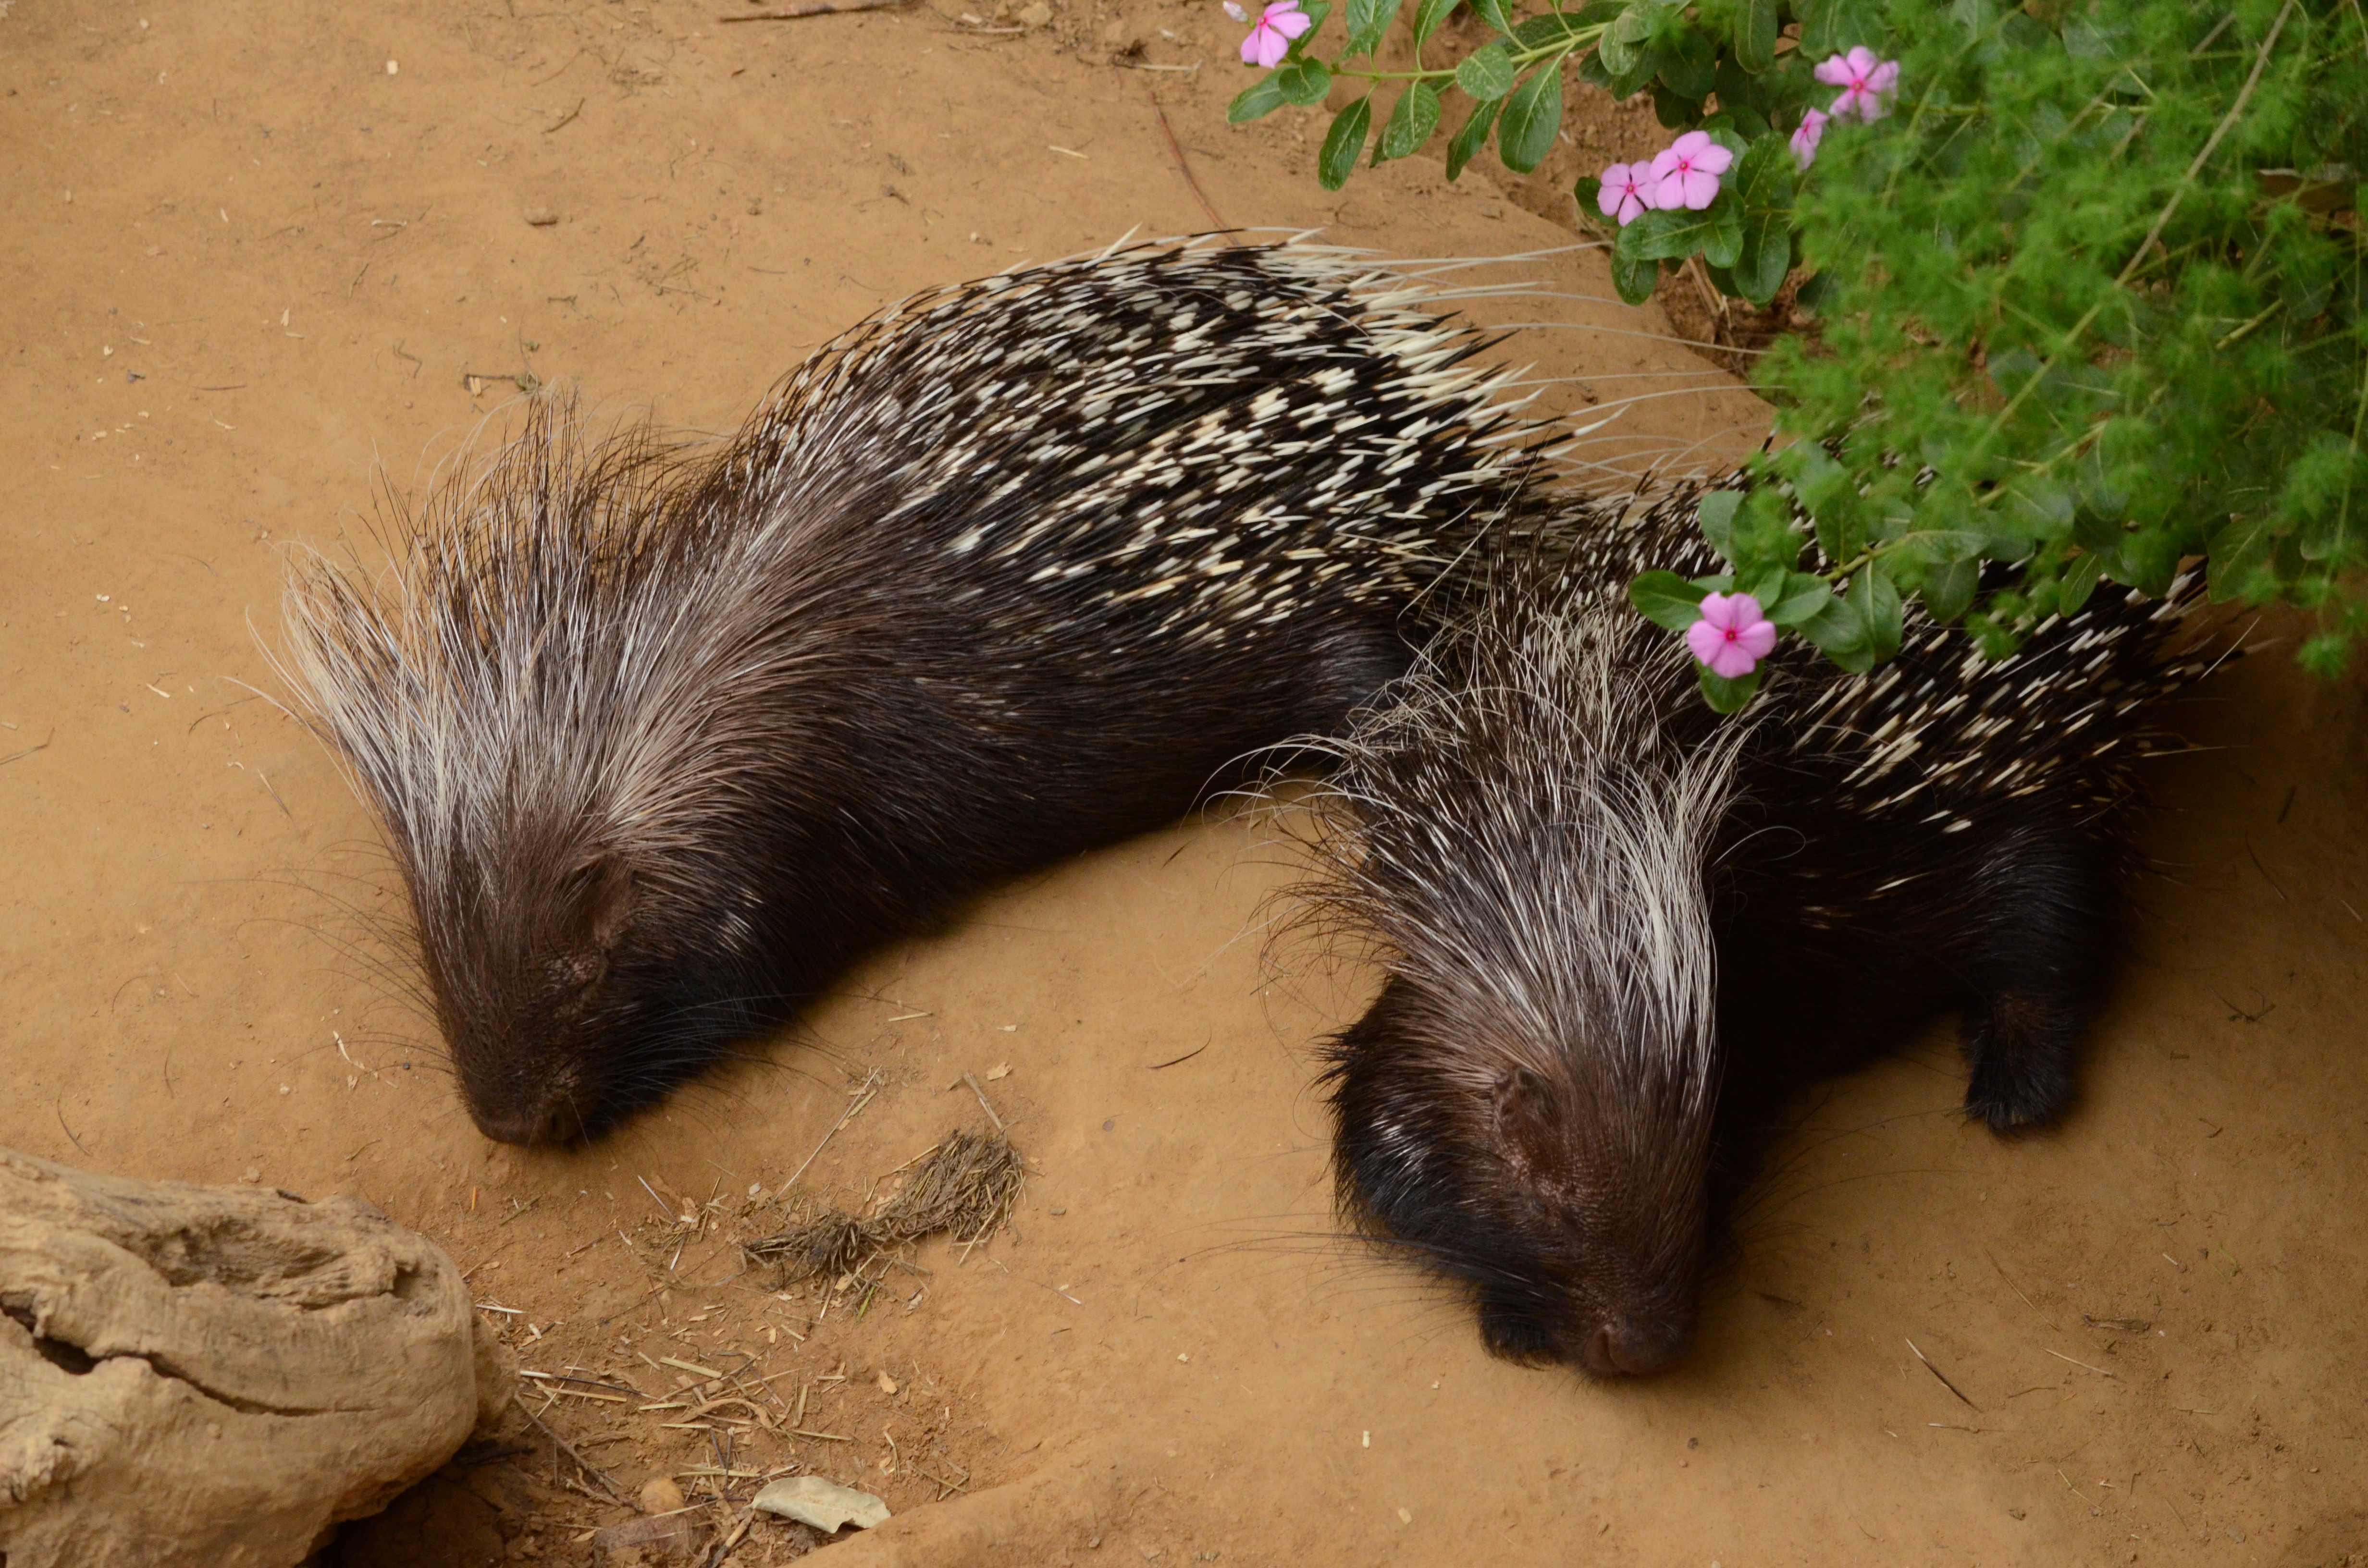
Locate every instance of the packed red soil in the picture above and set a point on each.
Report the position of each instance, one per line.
(258, 260)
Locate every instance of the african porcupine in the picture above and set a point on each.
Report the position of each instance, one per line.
(663, 737)
(1617, 931)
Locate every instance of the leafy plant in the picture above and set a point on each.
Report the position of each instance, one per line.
(2090, 286)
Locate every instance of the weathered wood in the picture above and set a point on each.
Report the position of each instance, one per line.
(218, 1375)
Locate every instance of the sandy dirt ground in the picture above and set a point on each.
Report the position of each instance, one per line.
(255, 258)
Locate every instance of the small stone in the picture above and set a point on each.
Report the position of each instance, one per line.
(1039, 15)
(254, 1175)
(825, 1505)
(540, 217)
(887, 1383)
(1119, 34)
(660, 1496)
(2014, 1514)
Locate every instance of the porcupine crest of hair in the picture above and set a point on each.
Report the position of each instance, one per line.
(1527, 856)
(592, 655)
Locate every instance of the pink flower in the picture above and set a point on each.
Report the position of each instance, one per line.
(1270, 36)
(1867, 83)
(1627, 192)
(1806, 140)
(1685, 173)
(1732, 636)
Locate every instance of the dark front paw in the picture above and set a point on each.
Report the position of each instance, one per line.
(2021, 1055)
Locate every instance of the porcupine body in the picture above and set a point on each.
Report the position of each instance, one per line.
(1618, 931)
(663, 737)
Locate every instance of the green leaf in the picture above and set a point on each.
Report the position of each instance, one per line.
(1486, 74)
(1666, 599)
(1554, 28)
(1428, 15)
(1689, 61)
(1763, 175)
(1343, 143)
(1834, 26)
(1303, 81)
(1725, 695)
(1755, 36)
(2080, 580)
(1675, 110)
(1630, 38)
(1838, 632)
(1410, 123)
(1876, 604)
(1257, 100)
(1494, 12)
(1716, 231)
(2240, 568)
(1939, 547)
(1724, 243)
(1632, 277)
(1949, 590)
(1799, 597)
(1470, 138)
(1369, 19)
(1531, 116)
(1588, 193)
(1715, 517)
(1764, 255)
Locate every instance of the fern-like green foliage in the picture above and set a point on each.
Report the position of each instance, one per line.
(2091, 302)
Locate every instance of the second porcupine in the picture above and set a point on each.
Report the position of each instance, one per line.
(1618, 931)
(662, 738)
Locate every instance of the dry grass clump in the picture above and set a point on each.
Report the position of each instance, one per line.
(964, 1188)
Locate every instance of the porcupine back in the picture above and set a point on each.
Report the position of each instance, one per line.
(1618, 932)
(663, 736)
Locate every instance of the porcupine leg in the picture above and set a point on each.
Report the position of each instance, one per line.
(2043, 941)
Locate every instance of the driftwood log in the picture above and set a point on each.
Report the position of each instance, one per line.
(217, 1375)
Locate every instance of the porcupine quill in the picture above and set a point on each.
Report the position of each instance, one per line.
(1618, 931)
(663, 736)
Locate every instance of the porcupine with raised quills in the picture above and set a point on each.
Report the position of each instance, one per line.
(663, 737)
(1618, 931)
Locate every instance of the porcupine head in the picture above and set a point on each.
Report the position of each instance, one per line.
(584, 951)
(1526, 1110)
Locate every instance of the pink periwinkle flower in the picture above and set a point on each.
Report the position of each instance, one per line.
(1272, 34)
(1627, 192)
(1811, 130)
(1685, 173)
(1866, 83)
(1732, 636)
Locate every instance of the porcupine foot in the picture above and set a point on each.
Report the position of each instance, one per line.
(2045, 924)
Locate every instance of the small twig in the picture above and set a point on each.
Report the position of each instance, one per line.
(566, 118)
(1944, 1379)
(565, 1446)
(870, 1088)
(2017, 1288)
(59, 1106)
(2265, 873)
(982, 1102)
(1175, 1061)
(18, 756)
(811, 9)
(1176, 151)
(2083, 1365)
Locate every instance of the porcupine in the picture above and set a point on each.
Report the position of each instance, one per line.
(663, 737)
(1617, 932)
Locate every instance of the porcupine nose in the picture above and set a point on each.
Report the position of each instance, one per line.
(551, 1120)
(1633, 1346)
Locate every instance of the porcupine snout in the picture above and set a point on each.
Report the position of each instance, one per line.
(1571, 1208)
